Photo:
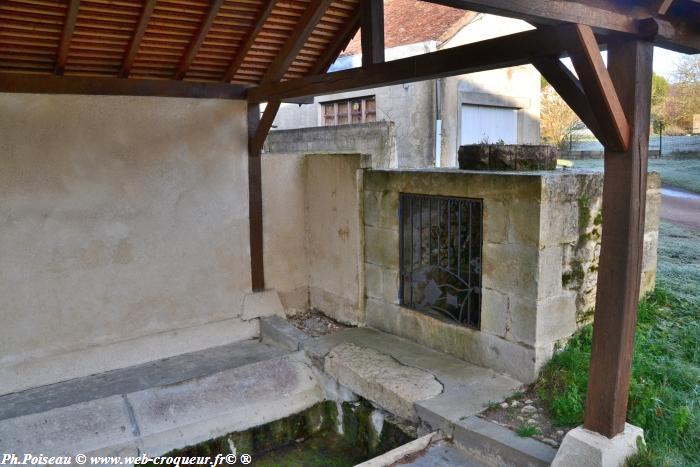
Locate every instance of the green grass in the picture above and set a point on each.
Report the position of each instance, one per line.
(527, 431)
(681, 172)
(665, 386)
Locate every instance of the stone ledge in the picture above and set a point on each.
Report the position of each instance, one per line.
(497, 445)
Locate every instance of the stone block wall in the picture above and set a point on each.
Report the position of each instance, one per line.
(538, 228)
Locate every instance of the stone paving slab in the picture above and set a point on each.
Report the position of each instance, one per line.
(172, 415)
(381, 379)
(467, 388)
(123, 381)
(443, 455)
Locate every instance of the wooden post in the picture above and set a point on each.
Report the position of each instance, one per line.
(372, 31)
(257, 132)
(624, 200)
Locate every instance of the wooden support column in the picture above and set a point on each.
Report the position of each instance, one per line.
(624, 200)
(257, 132)
(372, 31)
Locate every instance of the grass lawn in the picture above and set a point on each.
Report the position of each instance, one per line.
(665, 388)
(681, 172)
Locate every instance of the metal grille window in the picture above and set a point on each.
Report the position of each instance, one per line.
(441, 256)
(358, 110)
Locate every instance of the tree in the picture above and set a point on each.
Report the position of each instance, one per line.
(558, 122)
(659, 92)
(683, 98)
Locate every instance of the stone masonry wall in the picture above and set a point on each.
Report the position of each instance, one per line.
(538, 228)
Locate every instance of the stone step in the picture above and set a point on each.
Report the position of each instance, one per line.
(408, 379)
(163, 417)
(495, 445)
(135, 378)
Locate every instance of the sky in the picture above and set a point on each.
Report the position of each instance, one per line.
(665, 62)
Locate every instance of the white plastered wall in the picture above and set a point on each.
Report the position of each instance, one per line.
(123, 232)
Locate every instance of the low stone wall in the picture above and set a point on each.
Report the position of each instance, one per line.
(377, 139)
(541, 235)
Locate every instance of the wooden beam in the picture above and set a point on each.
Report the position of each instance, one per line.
(198, 39)
(595, 79)
(569, 88)
(50, 84)
(341, 41)
(619, 271)
(140, 30)
(501, 52)
(608, 17)
(313, 14)
(66, 36)
(249, 41)
(257, 132)
(372, 27)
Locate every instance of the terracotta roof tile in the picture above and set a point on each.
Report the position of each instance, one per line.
(412, 21)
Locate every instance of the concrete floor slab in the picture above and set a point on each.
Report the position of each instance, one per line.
(123, 381)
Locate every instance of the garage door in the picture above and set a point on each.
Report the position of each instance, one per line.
(481, 123)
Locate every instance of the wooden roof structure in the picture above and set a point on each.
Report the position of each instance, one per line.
(277, 50)
(222, 47)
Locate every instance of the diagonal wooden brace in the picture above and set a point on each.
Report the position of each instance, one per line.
(569, 88)
(583, 49)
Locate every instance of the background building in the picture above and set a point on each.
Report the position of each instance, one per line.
(433, 118)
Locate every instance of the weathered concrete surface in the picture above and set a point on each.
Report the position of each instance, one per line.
(377, 139)
(313, 253)
(381, 379)
(164, 372)
(123, 219)
(333, 227)
(284, 229)
(495, 445)
(278, 332)
(158, 419)
(467, 388)
(584, 448)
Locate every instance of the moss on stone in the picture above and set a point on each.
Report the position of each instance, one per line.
(574, 276)
(318, 425)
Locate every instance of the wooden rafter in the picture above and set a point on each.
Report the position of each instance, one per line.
(38, 84)
(198, 39)
(342, 39)
(372, 31)
(506, 51)
(570, 90)
(313, 14)
(595, 79)
(135, 42)
(249, 41)
(605, 17)
(66, 36)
